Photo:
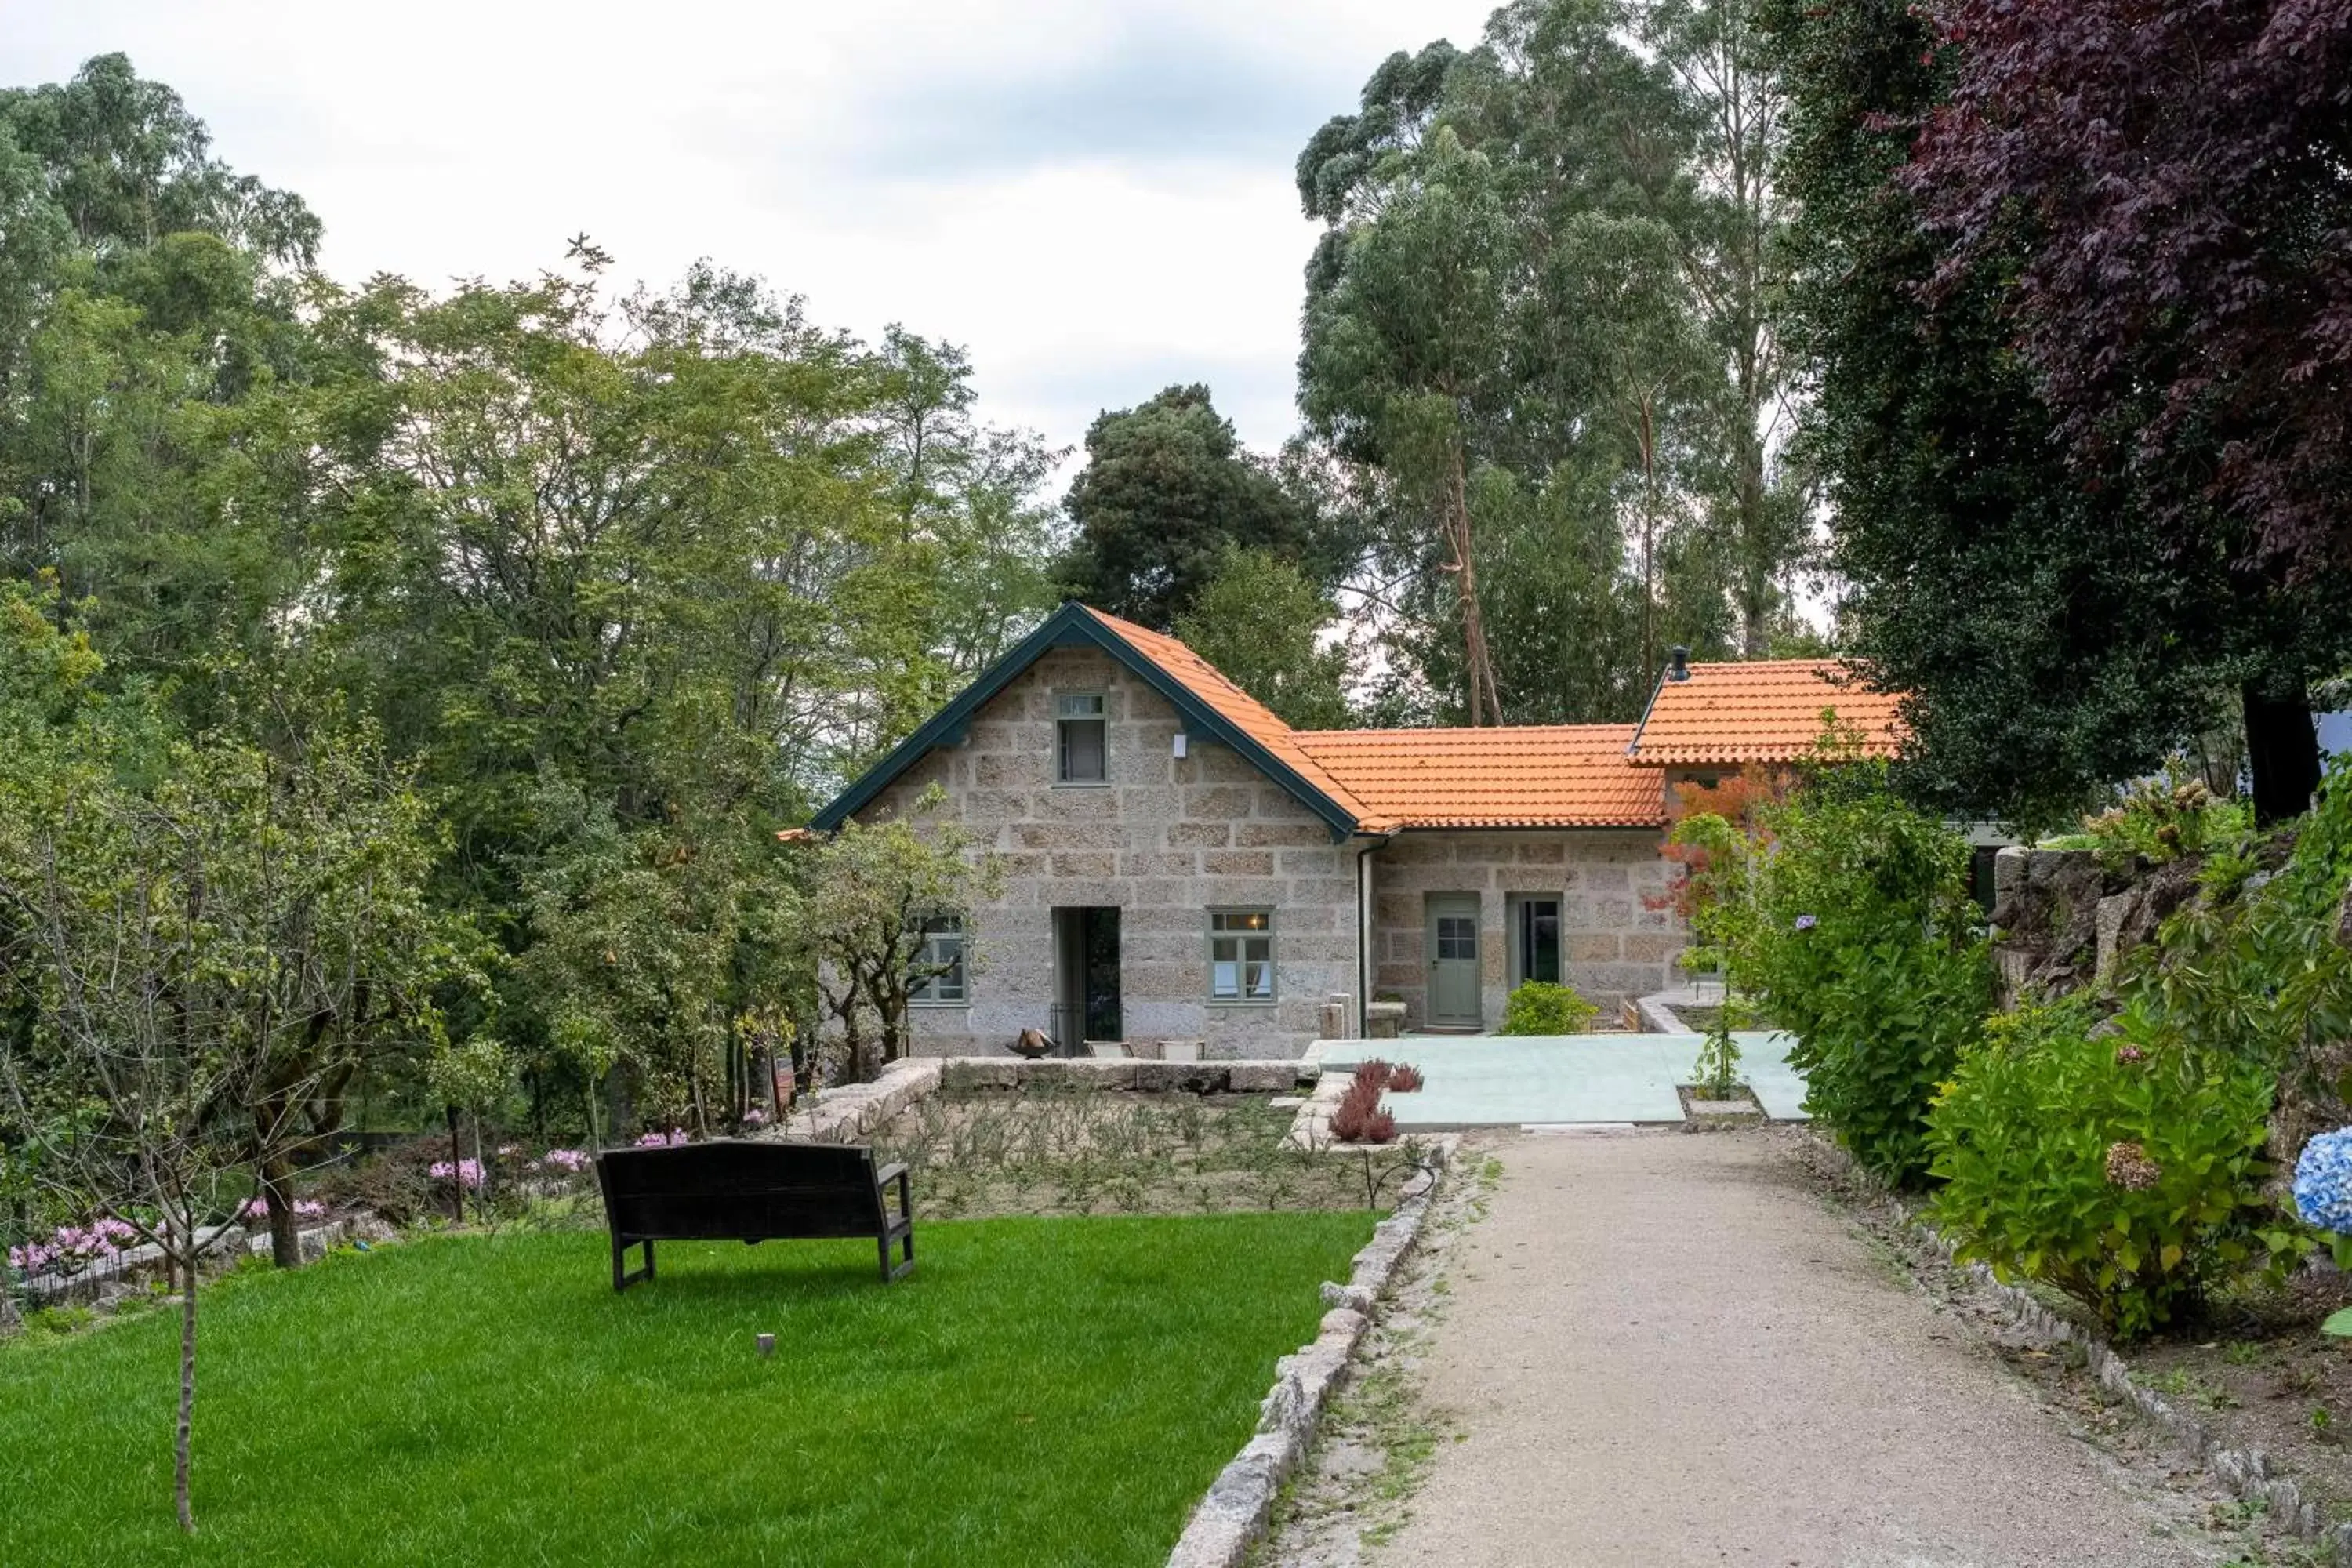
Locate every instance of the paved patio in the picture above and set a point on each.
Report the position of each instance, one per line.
(1497, 1080)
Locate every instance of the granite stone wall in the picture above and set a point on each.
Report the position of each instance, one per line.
(1164, 840)
(1617, 939)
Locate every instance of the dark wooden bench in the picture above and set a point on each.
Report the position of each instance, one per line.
(750, 1192)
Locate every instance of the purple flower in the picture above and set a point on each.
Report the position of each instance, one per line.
(1805, 922)
(571, 1162)
(676, 1135)
(467, 1171)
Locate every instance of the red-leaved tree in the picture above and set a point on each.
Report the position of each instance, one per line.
(2182, 173)
(2172, 181)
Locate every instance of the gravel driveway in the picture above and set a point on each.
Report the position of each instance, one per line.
(1665, 1349)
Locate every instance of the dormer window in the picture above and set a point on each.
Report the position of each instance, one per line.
(1078, 738)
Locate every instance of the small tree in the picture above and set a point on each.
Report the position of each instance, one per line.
(871, 888)
(200, 957)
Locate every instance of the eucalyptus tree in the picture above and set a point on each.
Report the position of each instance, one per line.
(1732, 227)
(1501, 286)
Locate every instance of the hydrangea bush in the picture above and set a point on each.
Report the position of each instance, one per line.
(2126, 1170)
(2323, 1181)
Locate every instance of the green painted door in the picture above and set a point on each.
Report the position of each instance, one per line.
(1453, 960)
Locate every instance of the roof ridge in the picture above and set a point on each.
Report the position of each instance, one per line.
(1465, 730)
(1224, 694)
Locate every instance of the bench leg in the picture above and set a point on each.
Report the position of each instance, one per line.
(906, 1240)
(621, 1276)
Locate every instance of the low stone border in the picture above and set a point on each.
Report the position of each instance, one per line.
(2244, 1473)
(135, 1264)
(856, 1110)
(1234, 1514)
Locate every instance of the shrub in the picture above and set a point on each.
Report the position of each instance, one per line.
(1861, 942)
(1538, 1007)
(1404, 1078)
(1372, 1074)
(1357, 1118)
(2126, 1171)
(2159, 821)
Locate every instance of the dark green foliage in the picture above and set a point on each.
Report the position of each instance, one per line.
(1166, 491)
(2125, 1169)
(1862, 945)
(2053, 638)
(1263, 623)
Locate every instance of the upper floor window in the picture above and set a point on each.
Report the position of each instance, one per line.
(1241, 955)
(935, 972)
(1079, 738)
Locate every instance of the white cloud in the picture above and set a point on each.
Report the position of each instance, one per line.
(1094, 199)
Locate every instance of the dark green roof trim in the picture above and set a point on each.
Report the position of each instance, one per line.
(1072, 625)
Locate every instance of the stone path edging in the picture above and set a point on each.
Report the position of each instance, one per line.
(2244, 1473)
(1234, 1514)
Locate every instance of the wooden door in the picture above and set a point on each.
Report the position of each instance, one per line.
(1454, 961)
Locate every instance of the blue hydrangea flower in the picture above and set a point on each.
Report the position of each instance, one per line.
(2323, 1181)
(1804, 922)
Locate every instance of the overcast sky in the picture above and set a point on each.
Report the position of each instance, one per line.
(1094, 199)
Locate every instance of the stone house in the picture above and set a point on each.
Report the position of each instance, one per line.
(1180, 864)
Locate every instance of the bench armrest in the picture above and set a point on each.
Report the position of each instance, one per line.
(895, 1171)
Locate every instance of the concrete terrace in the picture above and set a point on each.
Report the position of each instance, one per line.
(1494, 1080)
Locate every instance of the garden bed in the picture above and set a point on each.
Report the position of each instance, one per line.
(1040, 1390)
(2260, 1376)
(1081, 1150)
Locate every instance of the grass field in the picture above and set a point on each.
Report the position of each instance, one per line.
(1041, 1391)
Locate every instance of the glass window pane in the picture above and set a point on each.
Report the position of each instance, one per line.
(1538, 939)
(1241, 955)
(1079, 705)
(1082, 751)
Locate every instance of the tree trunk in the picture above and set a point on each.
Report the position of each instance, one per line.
(1485, 702)
(457, 1171)
(284, 1245)
(2282, 752)
(180, 1438)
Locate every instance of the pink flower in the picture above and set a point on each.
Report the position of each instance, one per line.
(676, 1135)
(755, 1117)
(467, 1171)
(571, 1162)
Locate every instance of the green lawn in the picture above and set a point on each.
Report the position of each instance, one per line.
(1039, 1390)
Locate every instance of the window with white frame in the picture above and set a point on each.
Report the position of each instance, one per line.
(1078, 738)
(935, 972)
(1241, 955)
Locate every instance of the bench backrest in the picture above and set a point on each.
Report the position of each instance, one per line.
(741, 1191)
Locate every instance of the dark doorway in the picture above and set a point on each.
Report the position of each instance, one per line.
(1085, 977)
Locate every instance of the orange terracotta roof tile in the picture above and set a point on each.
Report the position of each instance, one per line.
(1766, 711)
(1244, 712)
(1536, 775)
